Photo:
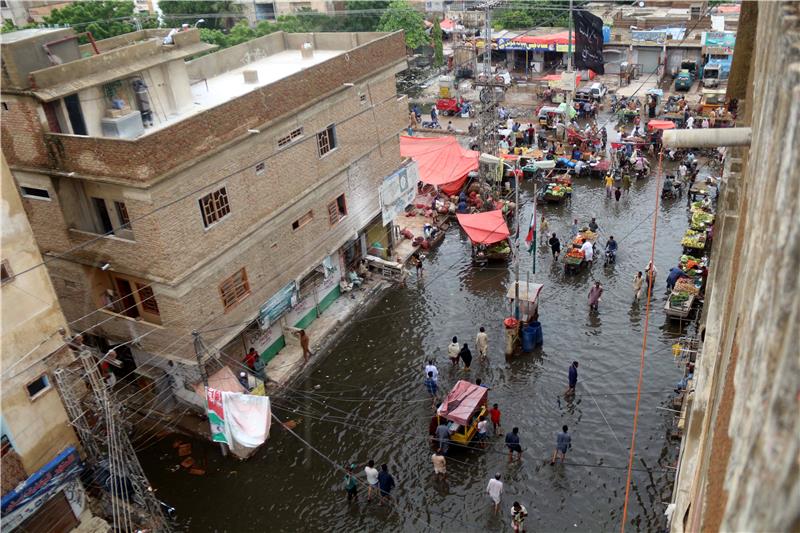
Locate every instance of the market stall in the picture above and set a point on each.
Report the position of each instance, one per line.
(442, 161)
(488, 234)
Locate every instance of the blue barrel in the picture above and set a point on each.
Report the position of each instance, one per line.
(531, 336)
(606, 34)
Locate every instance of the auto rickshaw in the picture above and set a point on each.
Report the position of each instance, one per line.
(547, 116)
(462, 409)
(711, 99)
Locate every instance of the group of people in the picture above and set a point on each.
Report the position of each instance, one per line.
(461, 353)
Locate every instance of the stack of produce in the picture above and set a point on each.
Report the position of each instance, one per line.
(499, 248)
(679, 299)
(690, 264)
(686, 285)
(557, 190)
(701, 220)
(574, 256)
(694, 239)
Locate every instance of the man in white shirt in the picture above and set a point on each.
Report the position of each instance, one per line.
(689, 122)
(588, 251)
(372, 479)
(495, 489)
(482, 342)
(431, 368)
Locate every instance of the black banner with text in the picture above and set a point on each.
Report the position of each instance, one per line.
(588, 41)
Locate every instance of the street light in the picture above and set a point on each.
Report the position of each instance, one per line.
(201, 21)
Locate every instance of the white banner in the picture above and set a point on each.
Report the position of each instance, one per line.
(398, 191)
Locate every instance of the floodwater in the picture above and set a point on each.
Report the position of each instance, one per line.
(366, 400)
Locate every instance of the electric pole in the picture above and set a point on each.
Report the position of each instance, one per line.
(200, 351)
(491, 87)
(125, 471)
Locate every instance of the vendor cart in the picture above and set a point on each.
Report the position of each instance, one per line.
(488, 234)
(682, 299)
(526, 332)
(557, 190)
(599, 169)
(461, 411)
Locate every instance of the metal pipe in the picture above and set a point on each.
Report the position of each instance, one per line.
(707, 138)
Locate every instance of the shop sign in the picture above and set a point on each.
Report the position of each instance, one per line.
(41, 486)
(275, 307)
(719, 42)
(397, 192)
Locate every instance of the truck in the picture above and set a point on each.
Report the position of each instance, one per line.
(712, 73)
(684, 80)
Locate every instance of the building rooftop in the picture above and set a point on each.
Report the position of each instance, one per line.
(215, 90)
(21, 35)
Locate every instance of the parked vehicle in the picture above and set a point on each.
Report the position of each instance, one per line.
(684, 80)
(711, 75)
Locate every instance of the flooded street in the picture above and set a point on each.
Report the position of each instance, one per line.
(366, 399)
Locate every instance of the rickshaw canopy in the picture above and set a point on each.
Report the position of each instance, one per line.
(484, 228)
(464, 400)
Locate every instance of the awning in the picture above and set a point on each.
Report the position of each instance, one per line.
(553, 38)
(660, 125)
(447, 25)
(463, 400)
(484, 228)
(441, 160)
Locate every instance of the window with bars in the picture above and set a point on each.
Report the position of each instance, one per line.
(234, 289)
(214, 206)
(303, 220)
(261, 168)
(147, 299)
(326, 140)
(337, 210)
(122, 214)
(289, 137)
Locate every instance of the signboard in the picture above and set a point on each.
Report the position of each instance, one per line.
(588, 41)
(659, 36)
(397, 192)
(719, 42)
(567, 81)
(275, 307)
(43, 484)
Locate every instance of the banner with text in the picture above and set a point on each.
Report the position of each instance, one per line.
(398, 191)
(588, 41)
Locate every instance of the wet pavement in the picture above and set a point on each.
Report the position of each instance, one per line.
(366, 399)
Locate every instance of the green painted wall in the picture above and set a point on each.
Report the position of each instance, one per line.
(273, 349)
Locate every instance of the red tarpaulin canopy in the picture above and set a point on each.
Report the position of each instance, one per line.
(462, 401)
(441, 160)
(660, 125)
(447, 24)
(553, 38)
(484, 228)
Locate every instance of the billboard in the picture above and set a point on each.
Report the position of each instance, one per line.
(397, 192)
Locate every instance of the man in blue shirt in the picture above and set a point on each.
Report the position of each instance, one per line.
(385, 482)
(573, 378)
(563, 443)
(512, 443)
(432, 387)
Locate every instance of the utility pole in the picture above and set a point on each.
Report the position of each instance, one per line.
(200, 351)
(489, 85)
(73, 406)
(124, 467)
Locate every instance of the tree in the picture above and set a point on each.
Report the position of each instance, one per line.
(366, 14)
(436, 35)
(523, 14)
(401, 16)
(218, 15)
(106, 18)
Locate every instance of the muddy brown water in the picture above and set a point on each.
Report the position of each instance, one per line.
(366, 400)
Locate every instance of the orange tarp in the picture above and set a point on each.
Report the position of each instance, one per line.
(463, 400)
(441, 160)
(484, 228)
(660, 125)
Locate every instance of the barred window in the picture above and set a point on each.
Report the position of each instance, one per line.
(326, 140)
(234, 289)
(289, 137)
(303, 220)
(214, 206)
(147, 299)
(337, 210)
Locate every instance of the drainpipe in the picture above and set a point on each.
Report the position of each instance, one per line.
(707, 138)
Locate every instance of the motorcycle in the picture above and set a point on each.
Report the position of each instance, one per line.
(611, 257)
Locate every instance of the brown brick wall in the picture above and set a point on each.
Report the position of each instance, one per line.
(22, 132)
(155, 154)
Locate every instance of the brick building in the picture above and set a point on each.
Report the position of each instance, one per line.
(227, 193)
